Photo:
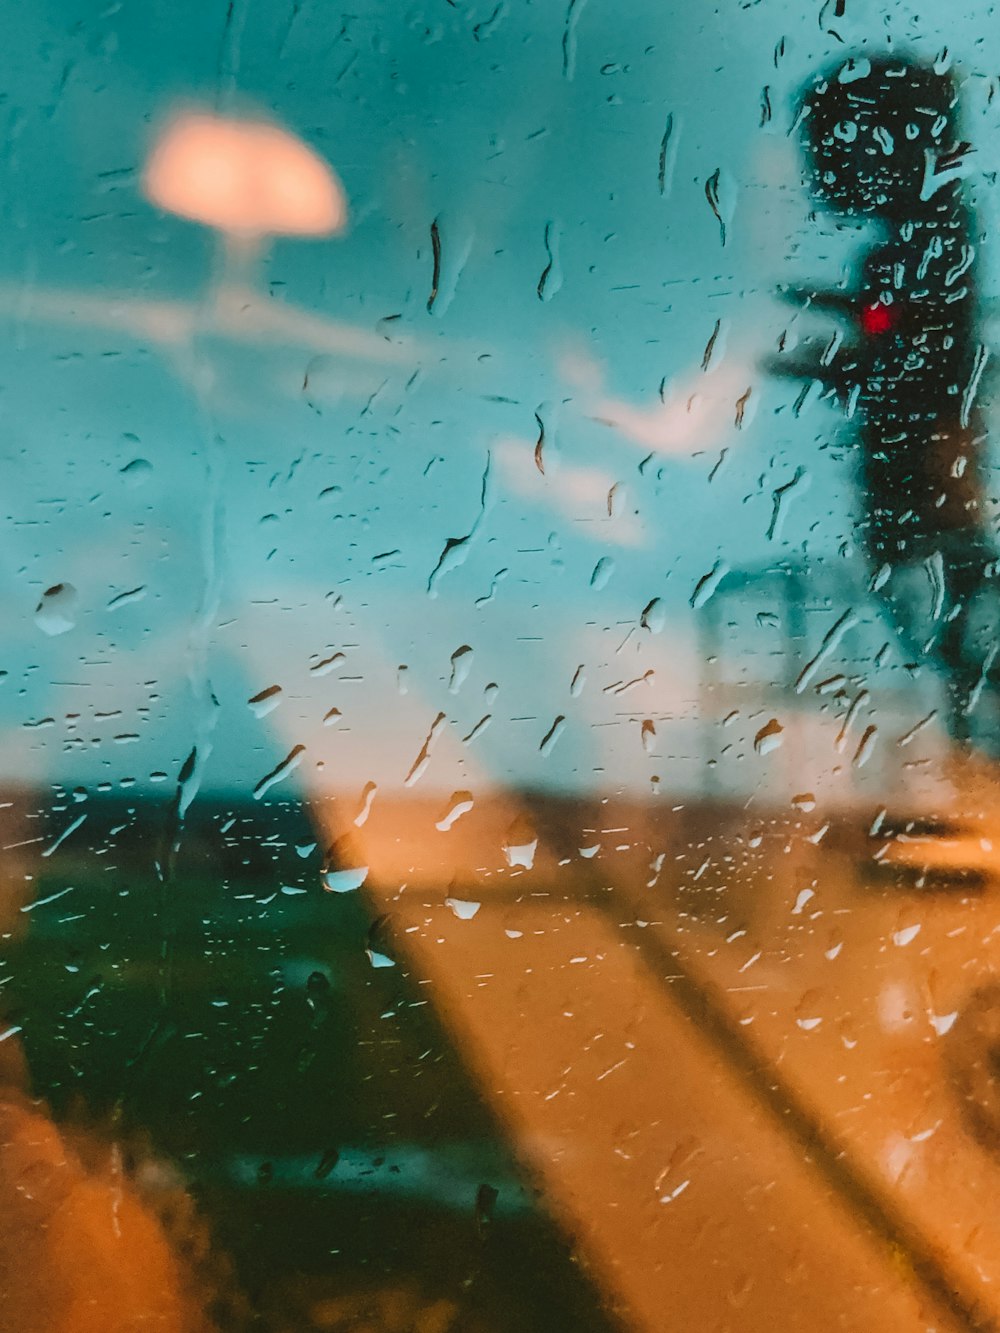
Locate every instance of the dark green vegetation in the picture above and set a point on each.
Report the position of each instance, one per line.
(216, 1010)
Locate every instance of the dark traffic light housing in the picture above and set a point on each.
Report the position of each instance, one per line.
(881, 143)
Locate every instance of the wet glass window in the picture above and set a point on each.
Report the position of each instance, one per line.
(500, 686)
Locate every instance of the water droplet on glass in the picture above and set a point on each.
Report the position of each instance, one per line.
(520, 844)
(377, 947)
(708, 584)
(654, 616)
(323, 383)
(126, 598)
(461, 665)
(866, 746)
(456, 549)
(266, 701)
(905, 935)
(603, 571)
(809, 1011)
(325, 665)
(459, 804)
(769, 738)
(803, 897)
(720, 191)
(552, 736)
(281, 771)
(56, 612)
(345, 870)
(365, 807)
(451, 244)
(463, 909)
(551, 279)
(424, 757)
(326, 1163)
(669, 144)
(137, 472)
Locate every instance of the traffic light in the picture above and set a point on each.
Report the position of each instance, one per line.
(881, 143)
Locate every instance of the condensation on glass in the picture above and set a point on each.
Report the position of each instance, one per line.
(501, 675)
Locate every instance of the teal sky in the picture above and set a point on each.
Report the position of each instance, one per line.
(532, 135)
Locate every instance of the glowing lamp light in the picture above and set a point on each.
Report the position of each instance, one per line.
(247, 179)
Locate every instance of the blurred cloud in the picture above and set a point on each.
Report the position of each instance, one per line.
(696, 415)
(581, 494)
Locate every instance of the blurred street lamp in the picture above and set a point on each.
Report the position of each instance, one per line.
(249, 180)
